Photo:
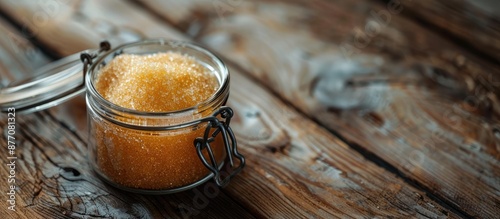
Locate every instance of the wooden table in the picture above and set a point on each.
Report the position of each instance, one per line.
(344, 109)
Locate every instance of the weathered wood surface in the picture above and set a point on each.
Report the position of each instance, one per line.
(295, 167)
(475, 22)
(15, 54)
(419, 103)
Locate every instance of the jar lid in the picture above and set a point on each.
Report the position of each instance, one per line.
(51, 85)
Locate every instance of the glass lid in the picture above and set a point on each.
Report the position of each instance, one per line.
(52, 84)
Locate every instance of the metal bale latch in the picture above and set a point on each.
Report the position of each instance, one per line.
(220, 126)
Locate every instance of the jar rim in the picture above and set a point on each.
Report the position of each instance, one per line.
(223, 86)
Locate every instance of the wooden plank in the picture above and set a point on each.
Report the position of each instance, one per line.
(474, 22)
(16, 52)
(89, 24)
(295, 168)
(388, 86)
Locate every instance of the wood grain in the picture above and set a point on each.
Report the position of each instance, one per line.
(474, 23)
(416, 101)
(295, 168)
(16, 52)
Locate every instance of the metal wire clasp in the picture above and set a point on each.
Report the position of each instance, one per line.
(222, 127)
(88, 57)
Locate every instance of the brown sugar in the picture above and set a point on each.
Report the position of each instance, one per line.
(156, 83)
(152, 83)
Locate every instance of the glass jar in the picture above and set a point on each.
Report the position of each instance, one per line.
(145, 152)
(161, 152)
